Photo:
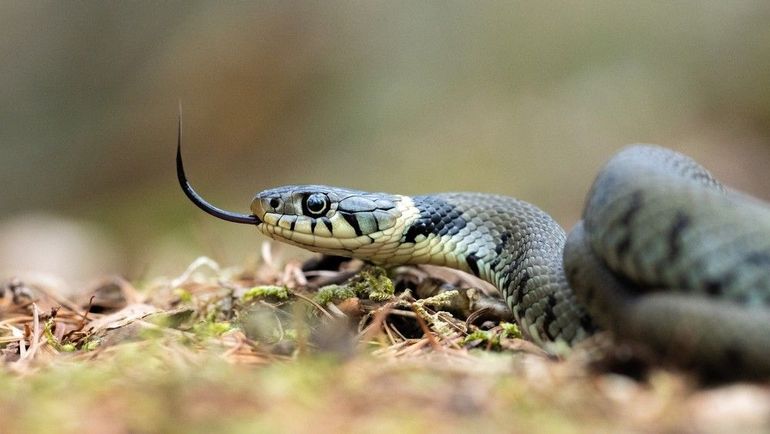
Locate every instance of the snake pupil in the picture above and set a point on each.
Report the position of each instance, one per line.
(316, 204)
(275, 202)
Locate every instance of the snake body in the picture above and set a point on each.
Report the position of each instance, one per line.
(507, 242)
(664, 257)
(667, 257)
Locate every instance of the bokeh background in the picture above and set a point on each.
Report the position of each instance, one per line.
(520, 98)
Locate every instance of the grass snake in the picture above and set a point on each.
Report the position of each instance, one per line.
(664, 256)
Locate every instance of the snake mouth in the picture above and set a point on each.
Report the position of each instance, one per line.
(195, 198)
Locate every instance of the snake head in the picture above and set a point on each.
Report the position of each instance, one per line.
(326, 219)
(319, 218)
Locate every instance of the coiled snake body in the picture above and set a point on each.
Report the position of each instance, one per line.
(664, 256)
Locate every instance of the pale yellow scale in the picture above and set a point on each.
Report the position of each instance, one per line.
(382, 247)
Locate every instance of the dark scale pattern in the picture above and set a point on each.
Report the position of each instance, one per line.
(352, 221)
(681, 222)
(667, 258)
(436, 217)
(515, 246)
(661, 221)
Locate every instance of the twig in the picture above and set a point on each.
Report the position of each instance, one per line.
(312, 302)
(387, 328)
(58, 298)
(34, 343)
(267, 255)
(428, 334)
(377, 321)
(192, 268)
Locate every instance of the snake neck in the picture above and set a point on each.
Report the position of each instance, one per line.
(507, 242)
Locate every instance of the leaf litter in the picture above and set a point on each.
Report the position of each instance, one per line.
(328, 345)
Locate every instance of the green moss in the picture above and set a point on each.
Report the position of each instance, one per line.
(441, 300)
(207, 329)
(184, 295)
(374, 283)
(477, 335)
(434, 320)
(483, 338)
(91, 345)
(510, 330)
(267, 291)
(290, 334)
(331, 293)
(491, 338)
(53, 342)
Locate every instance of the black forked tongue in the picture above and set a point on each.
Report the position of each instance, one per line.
(197, 199)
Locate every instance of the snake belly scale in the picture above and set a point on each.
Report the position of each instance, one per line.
(663, 257)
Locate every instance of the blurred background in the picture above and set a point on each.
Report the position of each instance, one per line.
(526, 99)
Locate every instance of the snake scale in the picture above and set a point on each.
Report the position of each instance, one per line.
(664, 257)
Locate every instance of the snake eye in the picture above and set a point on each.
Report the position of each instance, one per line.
(316, 204)
(275, 203)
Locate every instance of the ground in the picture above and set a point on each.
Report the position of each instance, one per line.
(321, 347)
